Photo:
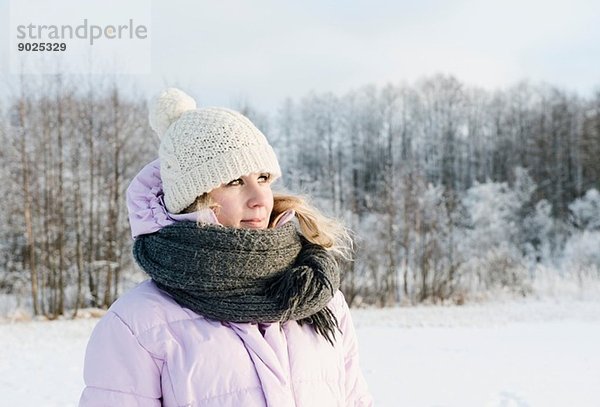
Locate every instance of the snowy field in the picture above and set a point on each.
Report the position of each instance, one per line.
(516, 354)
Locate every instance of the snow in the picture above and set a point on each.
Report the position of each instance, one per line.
(41, 362)
(539, 353)
(495, 355)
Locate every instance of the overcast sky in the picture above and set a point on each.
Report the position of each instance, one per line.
(262, 51)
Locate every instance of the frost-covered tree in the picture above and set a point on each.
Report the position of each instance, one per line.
(585, 211)
(490, 246)
(540, 234)
(581, 255)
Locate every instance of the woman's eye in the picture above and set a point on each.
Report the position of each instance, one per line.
(235, 182)
(264, 177)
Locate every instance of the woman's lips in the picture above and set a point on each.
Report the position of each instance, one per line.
(253, 222)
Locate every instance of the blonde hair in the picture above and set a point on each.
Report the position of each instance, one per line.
(314, 225)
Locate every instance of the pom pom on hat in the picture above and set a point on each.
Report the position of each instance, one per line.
(167, 108)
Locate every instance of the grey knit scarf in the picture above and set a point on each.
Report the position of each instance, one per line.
(243, 275)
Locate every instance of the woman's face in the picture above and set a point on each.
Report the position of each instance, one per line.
(245, 202)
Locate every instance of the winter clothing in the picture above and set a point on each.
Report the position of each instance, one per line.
(201, 149)
(174, 341)
(149, 351)
(243, 275)
(146, 206)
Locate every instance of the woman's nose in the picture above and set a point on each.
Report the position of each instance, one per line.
(258, 195)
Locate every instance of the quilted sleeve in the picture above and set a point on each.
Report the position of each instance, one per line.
(357, 391)
(118, 371)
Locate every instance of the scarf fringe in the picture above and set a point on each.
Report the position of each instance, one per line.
(324, 323)
(303, 285)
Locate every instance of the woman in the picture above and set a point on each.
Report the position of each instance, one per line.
(243, 306)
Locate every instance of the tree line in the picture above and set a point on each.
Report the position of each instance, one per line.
(450, 190)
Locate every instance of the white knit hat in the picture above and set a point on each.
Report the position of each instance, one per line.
(201, 149)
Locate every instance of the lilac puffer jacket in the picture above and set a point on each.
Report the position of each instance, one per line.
(149, 351)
